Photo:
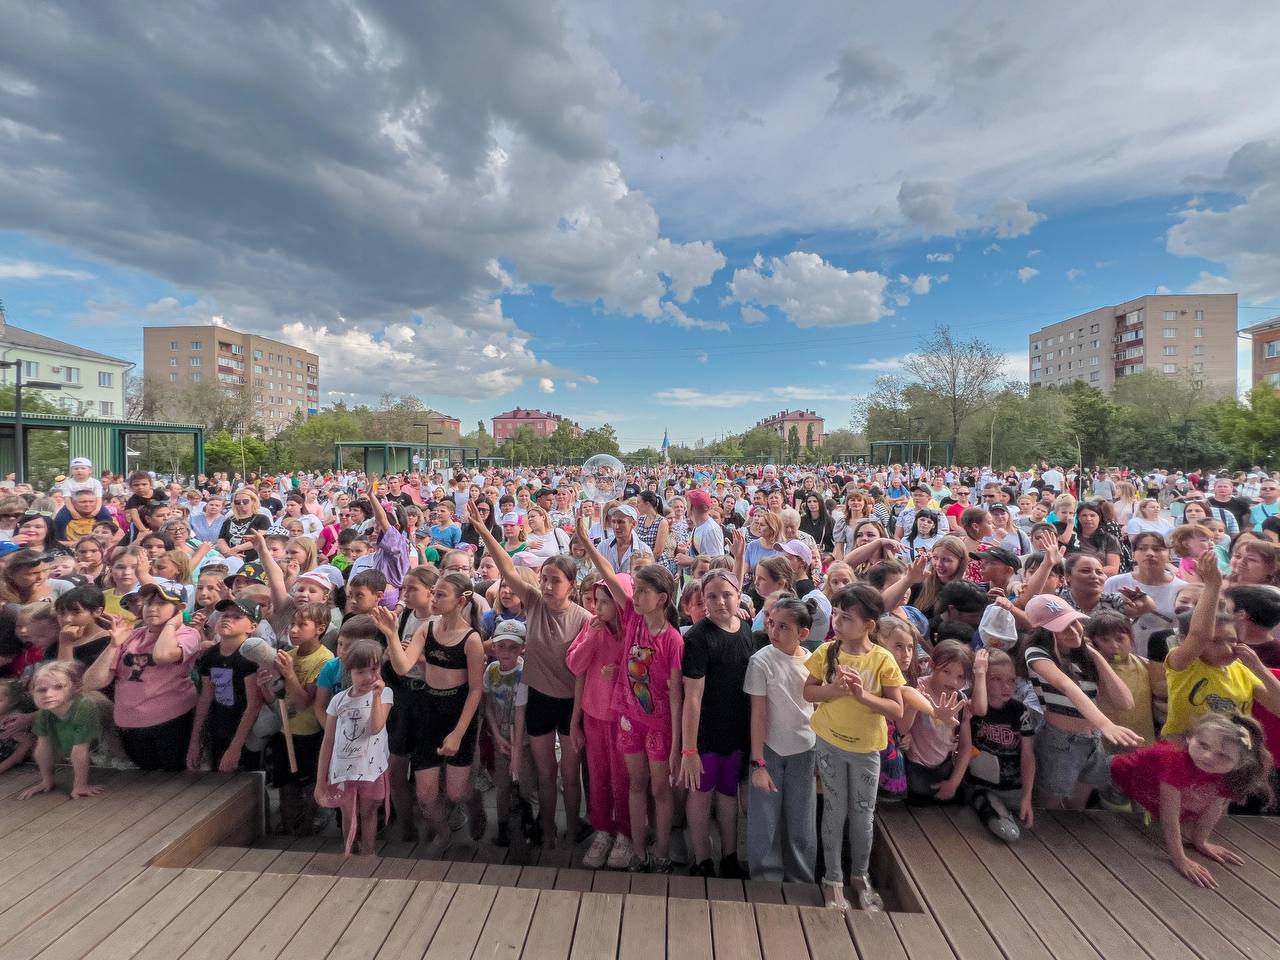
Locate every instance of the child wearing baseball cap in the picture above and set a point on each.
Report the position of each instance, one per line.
(229, 698)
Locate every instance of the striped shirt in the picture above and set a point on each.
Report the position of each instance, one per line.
(1054, 700)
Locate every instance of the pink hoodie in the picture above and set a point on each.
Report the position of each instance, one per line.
(595, 648)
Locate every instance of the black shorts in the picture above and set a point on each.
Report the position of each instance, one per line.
(544, 714)
(162, 747)
(306, 748)
(406, 723)
(442, 711)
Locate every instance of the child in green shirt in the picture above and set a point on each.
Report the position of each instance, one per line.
(65, 727)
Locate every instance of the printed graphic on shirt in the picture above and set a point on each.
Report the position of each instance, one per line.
(224, 690)
(638, 661)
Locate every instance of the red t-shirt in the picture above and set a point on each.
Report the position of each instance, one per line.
(1140, 774)
(1269, 722)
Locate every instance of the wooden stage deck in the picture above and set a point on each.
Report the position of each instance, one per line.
(159, 868)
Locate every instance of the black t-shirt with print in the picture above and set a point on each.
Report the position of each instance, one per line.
(228, 675)
(720, 658)
(997, 738)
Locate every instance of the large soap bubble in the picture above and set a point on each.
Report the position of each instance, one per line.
(603, 478)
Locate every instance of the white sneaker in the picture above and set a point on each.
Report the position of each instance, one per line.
(620, 855)
(599, 849)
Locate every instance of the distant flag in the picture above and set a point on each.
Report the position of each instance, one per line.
(666, 447)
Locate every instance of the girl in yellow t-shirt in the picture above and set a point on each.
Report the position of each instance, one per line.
(856, 685)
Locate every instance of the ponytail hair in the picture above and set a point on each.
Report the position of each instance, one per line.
(866, 600)
(656, 578)
(465, 589)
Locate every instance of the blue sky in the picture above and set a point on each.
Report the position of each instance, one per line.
(675, 217)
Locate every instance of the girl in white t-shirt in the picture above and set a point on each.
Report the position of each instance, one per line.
(352, 773)
(782, 839)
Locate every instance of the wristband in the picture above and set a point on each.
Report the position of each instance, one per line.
(760, 764)
(688, 753)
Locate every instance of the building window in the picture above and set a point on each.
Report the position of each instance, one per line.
(197, 344)
(1093, 361)
(106, 408)
(1199, 332)
(1170, 351)
(257, 354)
(173, 378)
(1170, 333)
(1197, 368)
(1273, 348)
(1170, 368)
(173, 361)
(1035, 346)
(1093, 328)
(1049, 355)
(1095, 377)
(1199, 317)
(70, 374)
(1170, 316)
(195, 361)
(1273, 379)
(1198, 350)
(1094, 344)
(196, 377)
(104, 378)
(31, 368)
(173, 344)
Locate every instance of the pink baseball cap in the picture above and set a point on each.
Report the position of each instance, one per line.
(1052, 613)
(700, 499)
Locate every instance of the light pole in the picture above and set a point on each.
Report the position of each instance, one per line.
(911, 455)
(19, 451)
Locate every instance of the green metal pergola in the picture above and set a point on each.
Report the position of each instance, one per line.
(397, 456)
(909, 451)
(50, 442)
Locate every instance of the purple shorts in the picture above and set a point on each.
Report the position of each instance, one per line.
(721, 772)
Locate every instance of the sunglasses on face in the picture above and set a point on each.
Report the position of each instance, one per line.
(241, 503)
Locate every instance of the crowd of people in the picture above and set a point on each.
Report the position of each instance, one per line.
(788, 645)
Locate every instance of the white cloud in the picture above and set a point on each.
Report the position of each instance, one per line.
(1027, 273)
(991, 248)
(1012, 218)
(1034, 253)
(702, 356)
(1075, 273)
(881, 364)
(930, 206)
(811, 292)
(1103, 264)
(863, 77)
(819, 363)
(1244, 236)
(751, 316)
(689, 397)
(940, 257)
(804, 394)
(1162, 289)
(546, 385)
(30, 270)
(679, 318)
(1211, 283)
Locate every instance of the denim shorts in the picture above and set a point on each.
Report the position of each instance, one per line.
(1065, 759)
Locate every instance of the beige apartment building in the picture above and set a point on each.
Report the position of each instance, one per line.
(1191, 335)
(279, 379)
(1266, 352)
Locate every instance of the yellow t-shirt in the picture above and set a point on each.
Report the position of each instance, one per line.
(1201, 688)
(844, 722)
(307, 669)
(1133, 674)
(111, 606)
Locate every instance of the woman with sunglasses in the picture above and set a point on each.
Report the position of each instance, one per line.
(471, 535)
(235, 539)
(12, 510)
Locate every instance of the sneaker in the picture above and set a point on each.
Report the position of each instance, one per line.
(706, 868)
(638, 865)
(662, 865)
(1004, 828)
(731, 868)
(596, 854)
(833, 896)
(457, 816)
(620, 855)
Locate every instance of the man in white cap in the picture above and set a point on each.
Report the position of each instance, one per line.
(81, 478)
(619, 546)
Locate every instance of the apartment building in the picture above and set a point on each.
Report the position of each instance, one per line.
(1191, 335)
(1266, 352)
(279, 379)
(506, 424)
(90, 384)
(807, 423)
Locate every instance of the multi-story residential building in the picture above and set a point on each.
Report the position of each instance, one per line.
(542, 424)
(1266, 352)
(277, 379)
(807, 423)
(1192, 335)
(91, 383)
(444, 428)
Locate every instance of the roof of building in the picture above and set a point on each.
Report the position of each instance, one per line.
(1264, 326)
(17, 337)
(792, 415)
(521, 413)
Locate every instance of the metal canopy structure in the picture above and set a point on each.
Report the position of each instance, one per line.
(51, 441)
(396, 456)
(910, 451)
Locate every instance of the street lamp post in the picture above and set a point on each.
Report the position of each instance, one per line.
(911, 455)
(19, 451)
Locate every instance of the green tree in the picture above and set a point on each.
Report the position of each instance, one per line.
(602, 439)
(1250, 431)
(842, 444)
(480, 438)
(962, 374)
(1092, 415)
(793, 443)
(240, 455)
(760, 442)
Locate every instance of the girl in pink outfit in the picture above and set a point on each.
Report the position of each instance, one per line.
(594, 657)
